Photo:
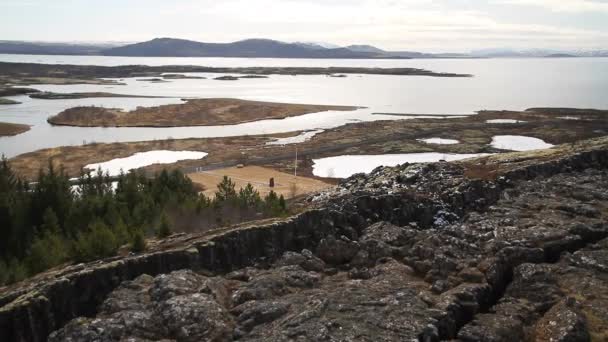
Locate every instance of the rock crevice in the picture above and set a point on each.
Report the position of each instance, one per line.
(453, 251)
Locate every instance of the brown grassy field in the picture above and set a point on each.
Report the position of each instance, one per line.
(199, 112)
(286, 184)
(7, 129)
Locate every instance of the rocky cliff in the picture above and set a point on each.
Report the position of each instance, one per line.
(511, 247)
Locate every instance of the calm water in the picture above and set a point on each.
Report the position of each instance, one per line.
(498, 84)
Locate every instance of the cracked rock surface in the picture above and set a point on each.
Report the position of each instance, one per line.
(506, 260)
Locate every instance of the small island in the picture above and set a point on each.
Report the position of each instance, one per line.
(10, 129)
(196, 112)
(14, 91)
(30, 73)
(182, 77)
(8, 102)
(226, 78)
(68, 96)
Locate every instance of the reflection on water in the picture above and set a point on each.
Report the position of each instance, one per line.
(518, 143)
(513, 84)
(115, 166)
(346, 166)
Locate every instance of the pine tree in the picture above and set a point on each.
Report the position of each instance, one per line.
(3, 272)
(98, 242)
(138, 242)
(225, 190)
(165, 228)
(282, 204)
(50, 223)
(249, 197)
(47, 251)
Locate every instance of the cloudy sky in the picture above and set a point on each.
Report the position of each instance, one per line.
(425, 25)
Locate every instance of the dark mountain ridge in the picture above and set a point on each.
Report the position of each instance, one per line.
(165, 47)
(263, 48)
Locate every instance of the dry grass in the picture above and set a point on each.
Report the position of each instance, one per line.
(285, 184)
(488, 172)
(200, 112)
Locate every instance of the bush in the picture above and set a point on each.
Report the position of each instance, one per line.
(138, 242)
(165, 228)
(16, 271)
(274, 204)
(3, 272)
(98, 243)
(46, 252)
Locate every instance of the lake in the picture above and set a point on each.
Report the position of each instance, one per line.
(514, 84)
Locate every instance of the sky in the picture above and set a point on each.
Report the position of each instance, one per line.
(414, 25)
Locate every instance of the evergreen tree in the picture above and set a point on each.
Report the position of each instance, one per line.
(225, 191)
(50, 223)
(16, 271)
(249, 197)
(98, 242)
(3, 272)
(46, 224)
(282, 204)
(165, 228)
(138, 242)
(47, 251)
(274, 204)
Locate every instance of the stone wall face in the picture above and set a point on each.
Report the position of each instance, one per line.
(32, 314)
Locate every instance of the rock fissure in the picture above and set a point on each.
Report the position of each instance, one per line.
(416, 251)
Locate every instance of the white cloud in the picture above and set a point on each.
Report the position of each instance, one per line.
(572, 6)
(445, 25)
(389, 24)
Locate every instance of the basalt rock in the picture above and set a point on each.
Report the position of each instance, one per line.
(414, 252)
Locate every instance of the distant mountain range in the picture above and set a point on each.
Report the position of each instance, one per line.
(42, 48)
(495, 53)
(170, 47)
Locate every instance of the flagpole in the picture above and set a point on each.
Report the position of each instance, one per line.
(295, 165)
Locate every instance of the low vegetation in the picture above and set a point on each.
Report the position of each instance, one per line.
(52, 221)
(480, 170)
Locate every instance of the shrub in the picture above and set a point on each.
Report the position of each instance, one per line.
(3, 272)
(274, 204)
(98, 242)
(46, 252)
(16, 271)
(138, 242)
(165, 228)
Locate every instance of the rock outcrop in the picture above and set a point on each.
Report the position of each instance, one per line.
(415, 252)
